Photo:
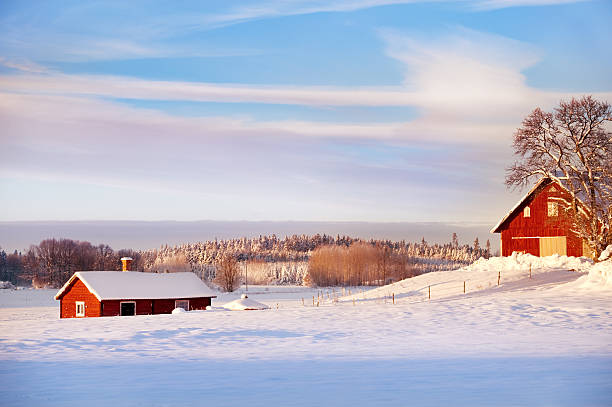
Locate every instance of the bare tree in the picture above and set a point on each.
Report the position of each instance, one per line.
(572, 147)
(228, 273)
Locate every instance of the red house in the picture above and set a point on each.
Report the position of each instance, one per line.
(113, 293)
(539, 224)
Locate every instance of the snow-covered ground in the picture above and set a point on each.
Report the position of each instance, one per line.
(539, 341)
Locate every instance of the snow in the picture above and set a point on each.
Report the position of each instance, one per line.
(482, 276)
(539, 341)
(6, 285)
(178, 311)
(606, 253)
(117, 285)
(245, 303)
(599, 277)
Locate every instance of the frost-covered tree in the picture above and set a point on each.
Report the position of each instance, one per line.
(571, 145)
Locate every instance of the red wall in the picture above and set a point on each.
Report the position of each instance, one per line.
(77, 291)
(148, 307)
(539, 224)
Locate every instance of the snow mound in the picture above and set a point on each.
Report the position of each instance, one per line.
(520, 261)
(599, 277)
(178, 311)
(6, 285)
(607, 253)
(244, 303)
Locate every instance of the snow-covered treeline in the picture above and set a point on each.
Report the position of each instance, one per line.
(272, 260)
(266, 259)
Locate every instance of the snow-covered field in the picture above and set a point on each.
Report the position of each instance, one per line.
(539, 341)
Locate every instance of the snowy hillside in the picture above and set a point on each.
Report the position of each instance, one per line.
(519, 271)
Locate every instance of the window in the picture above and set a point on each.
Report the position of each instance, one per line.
(80, 308)
(553, 208)
(526, 212)
(184, 304)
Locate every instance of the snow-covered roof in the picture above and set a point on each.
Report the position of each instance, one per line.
(119, 285)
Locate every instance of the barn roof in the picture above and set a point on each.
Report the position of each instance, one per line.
(543, 182)
(121, 285)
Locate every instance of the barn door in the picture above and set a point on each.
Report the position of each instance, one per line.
(553, 245)
(128, 308)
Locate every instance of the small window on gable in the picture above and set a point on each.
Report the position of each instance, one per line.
(526, 212)
(184, 304)
(80, 308)
(553, 208)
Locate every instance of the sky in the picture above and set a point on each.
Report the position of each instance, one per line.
(337, 110)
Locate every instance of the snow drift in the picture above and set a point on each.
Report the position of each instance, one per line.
(244, 303)
(599, 277)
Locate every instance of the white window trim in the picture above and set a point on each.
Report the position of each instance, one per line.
(176, 304)
(527, 212)
(127, 302)
(77, 304)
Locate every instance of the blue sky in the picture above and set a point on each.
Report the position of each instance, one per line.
(340, 110)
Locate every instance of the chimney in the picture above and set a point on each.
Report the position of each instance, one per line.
(127, 262)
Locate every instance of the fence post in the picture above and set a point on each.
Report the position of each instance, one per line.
(393, 298)
(530, 271)
(313, 300)
(498, 277)
(429, 292)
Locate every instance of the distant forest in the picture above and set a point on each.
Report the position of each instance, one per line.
(299, 259)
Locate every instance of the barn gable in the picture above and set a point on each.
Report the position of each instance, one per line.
(539, 223)
(536, 189)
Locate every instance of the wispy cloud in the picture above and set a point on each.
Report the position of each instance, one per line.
(127, 30)
(23, 65)
(497, 4)
(121, 87)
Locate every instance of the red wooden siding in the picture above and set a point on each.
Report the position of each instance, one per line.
(539, 224)
(157, 306)
(77, 291)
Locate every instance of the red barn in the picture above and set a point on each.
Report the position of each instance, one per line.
(113, 293)
(539, 224)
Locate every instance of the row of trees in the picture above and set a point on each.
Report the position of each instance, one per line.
(270, 260)
(202, 257)
(358, 264)
(53, 261)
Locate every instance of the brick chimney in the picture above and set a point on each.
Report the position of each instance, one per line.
(127, 262)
